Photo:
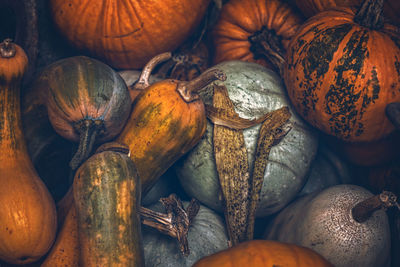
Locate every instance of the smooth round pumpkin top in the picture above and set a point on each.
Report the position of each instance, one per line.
(127, 33)
(264, 253)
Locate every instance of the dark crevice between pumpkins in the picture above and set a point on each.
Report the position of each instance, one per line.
(393, 114)
(88, 130)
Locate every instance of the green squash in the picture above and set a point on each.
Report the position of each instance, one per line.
(207, 235)
(254, 91)
(323, 222)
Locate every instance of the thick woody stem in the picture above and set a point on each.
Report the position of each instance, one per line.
(364, 209)
(266, 43)
(370, 14)
(393, 114)
(175, 222)
(188, 90)
(143, 80)
(7, 49)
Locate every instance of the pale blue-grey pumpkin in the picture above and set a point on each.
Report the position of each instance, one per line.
(323, 221)
(207, 235)
(254, 91)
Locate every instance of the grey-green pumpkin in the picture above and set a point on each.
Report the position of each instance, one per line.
(207, 235)
(323, 221)
(254, 91)
(327, 169)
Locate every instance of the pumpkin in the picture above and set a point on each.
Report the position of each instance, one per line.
(327, 169)
(86, 101)
(241, 20)
(338, 77)
(126, 34)
(311, 7)
(254, 91)
(167, 120)
(206, 236)
(107, 194)
(323, 222)
(263, 253)
(28, 216)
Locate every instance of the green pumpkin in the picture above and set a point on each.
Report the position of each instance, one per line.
(323, 222)
(207, 235)
(254, 91)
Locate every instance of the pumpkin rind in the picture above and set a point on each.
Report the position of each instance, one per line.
(206, 236)
(323, 222)
(340, 75)
(127, 33)
(254, 91)
(28, 217)
(240, 19)
(262, 253)
(107, 198)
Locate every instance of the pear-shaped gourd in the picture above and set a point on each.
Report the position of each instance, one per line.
(207, 235)
(325, 222)
(254, 91)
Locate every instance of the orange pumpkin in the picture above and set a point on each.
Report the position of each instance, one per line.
(127, 33)
(342, 71)
(264, 253)
(242, 19)
(28, 217)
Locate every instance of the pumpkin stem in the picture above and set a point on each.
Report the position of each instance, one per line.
(175, 223)
(266, 43)
(7, 49)
(393, 114)
(370, 14)
(88, 130)
(188, 90)
(363, 210)
(143, 80)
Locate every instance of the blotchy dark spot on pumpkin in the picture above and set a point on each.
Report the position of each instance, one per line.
(144, 116)
(341, 101)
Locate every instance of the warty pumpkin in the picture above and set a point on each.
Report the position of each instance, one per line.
(254, 91)
(264, 253)
(342, 70)
(87, 102)
(242, 20)
(167, 120)
(325, 222)
(107, 194)
(28, 217)
(127, 33)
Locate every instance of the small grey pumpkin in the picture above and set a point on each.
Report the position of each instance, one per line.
(323, 222)
(254, 91)
(327, 169)
(207, 235)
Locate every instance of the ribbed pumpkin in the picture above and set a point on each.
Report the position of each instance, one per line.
(207, 235)
(254, 90)
(264, 253)
(241, 19)
(107, 194)
(28, 217)
(127, 33)
(86, 100)
(311, 7)
(342, 71)
(167, 120)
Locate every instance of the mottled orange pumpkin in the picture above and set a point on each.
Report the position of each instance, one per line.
(127, 33)
(340, 74)
(264, 253)
(241, 19)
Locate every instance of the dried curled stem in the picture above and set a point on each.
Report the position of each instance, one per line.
(364, 210)
(370, 14)
(175, 222)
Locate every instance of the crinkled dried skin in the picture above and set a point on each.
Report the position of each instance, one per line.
(233, 170)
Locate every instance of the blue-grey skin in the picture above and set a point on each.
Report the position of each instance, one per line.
(207, 235)
(327, 169)
(254, 91)
(323, 222)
